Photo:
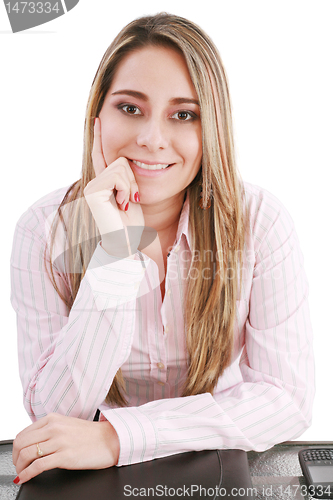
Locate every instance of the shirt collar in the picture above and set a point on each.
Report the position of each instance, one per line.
(183, 225)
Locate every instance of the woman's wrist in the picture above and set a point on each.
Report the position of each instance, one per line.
(111, 439)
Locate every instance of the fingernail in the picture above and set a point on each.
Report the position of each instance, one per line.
(137, 197)
(126, 208)
(16, 480)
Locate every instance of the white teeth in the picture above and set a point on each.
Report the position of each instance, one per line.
(158, 166)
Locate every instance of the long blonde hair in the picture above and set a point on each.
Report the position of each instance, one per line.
(210, 303)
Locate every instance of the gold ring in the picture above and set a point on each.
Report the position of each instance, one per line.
(39, 451)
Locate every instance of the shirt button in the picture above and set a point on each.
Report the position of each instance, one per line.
(177, 248)
(160, 383)
(166, 329)
(137, 284)
(160, 366)
(168, 291)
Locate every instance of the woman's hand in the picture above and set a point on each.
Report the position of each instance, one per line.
(112, 197)
(66, 443)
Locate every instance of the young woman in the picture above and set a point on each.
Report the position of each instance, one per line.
(159, 289)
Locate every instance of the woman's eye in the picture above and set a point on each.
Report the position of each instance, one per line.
(183, 116)
(130, 109)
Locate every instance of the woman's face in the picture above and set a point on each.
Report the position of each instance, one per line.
(151, 116)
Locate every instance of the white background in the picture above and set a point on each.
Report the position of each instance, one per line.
(278, 57)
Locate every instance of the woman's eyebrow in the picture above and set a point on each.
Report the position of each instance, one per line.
(184, 100)
(144, 97)
(133, 93)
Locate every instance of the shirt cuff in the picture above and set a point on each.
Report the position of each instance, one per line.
(136, 432)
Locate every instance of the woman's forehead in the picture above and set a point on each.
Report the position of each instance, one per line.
(145, 68)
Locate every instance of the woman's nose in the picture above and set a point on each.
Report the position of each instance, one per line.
(153, 135)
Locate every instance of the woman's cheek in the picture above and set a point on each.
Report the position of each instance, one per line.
(190, 144)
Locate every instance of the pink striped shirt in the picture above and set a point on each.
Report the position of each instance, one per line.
(68, 358)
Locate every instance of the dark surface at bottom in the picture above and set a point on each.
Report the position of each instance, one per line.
(194, 474)
(122, 482)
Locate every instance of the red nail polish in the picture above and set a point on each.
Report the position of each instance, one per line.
(126, 208)
(137, 197)
(16, 480)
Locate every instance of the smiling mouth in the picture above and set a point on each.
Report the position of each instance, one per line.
(158, 166)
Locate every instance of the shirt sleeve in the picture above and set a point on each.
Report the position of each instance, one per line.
(68, 359)
(273, 401)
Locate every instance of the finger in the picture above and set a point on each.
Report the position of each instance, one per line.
(122, 189)
(114, 178)
(135, 195)
(26, 443)
(133, 188)
(30, 454)
(30, 435)
(98, 159)
(38, 466)
(122, 177)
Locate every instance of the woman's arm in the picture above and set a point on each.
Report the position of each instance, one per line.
(68, 359)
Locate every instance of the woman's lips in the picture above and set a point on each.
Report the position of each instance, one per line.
(149, 173)
(151, 165)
